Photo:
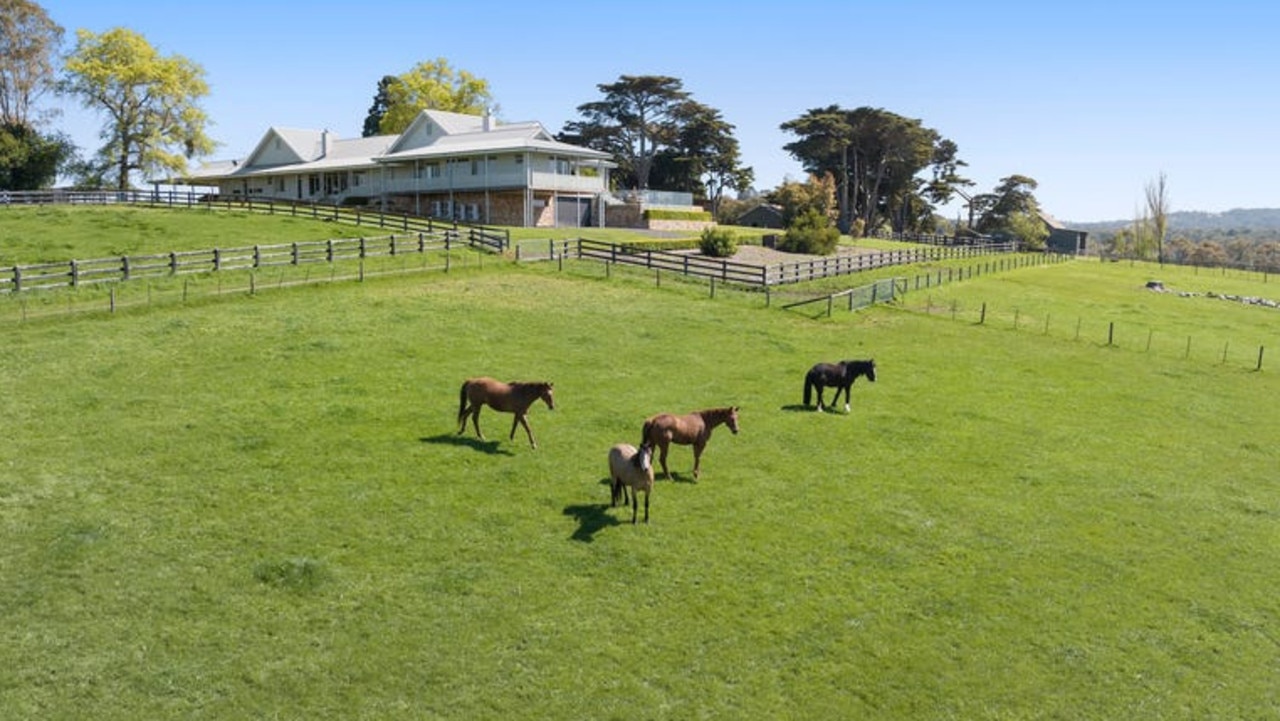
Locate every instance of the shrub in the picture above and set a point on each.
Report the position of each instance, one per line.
(718, 242)
(671, 214)
(810, 232)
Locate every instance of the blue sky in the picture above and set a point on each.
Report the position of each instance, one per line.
(1092, 99)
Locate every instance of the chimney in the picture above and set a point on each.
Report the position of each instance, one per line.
(488, 121)
(324, 143)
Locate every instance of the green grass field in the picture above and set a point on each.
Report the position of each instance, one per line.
(257, 506)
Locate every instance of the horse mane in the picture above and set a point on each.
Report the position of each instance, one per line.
(635, 459)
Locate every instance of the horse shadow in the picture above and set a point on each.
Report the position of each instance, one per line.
(798, 408)
(592, 518)
(450, 439)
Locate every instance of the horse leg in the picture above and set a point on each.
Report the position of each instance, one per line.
(646, 506)
(462, 420)
(528, 431)
(697, 458)
(821, 388)
(662, 458)
(635, 506)
(475, 420)
(846, 397)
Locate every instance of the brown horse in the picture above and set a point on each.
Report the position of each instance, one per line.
(694, 428)
(505, 397)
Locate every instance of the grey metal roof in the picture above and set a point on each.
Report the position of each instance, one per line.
(319, 150)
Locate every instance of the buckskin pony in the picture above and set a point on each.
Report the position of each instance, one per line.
(515, 397)
(631, 468)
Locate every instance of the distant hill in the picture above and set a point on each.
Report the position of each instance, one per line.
(1237, 219)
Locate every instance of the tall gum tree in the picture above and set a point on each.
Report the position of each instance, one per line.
(636, 119)
(29, 42)
(874, 156)
(154, 119)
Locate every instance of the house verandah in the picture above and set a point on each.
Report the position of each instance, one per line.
(445, 165)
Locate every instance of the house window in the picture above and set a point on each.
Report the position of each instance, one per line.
(357, 179)
(433, 170)
(313, 184)
(519, 160)
(563, 166)
(280, 184)
(475, 166)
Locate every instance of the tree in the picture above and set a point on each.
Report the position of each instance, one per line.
(1030, 231)
(797, 199)
(1013, 195)
(154, 120)
(30, 160)
(1157, 193)
(29, 43)
(874, 156)
(432, 85)
(381, 102)
(704, 158)
(635, 120)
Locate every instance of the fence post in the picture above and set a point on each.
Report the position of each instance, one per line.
(75, 274)
(1111, 332)
(1260, 349)
(1188, 352)
(1225, 346)
(982, 318)
(124, 267)
(17, 278)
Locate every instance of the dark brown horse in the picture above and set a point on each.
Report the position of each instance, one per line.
(695, 428)
(838, 375)
(505, 397)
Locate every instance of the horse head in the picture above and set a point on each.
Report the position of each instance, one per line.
(643, 458)
(871, 370)
(732, 420)
(546, 396)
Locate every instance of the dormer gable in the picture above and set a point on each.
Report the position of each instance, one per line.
(431, 125)
(284, 146)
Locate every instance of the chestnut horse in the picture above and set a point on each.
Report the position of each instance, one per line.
(695, 428)
(513, 397)
(838, 375)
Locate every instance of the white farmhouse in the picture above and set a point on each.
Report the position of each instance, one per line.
(447, 165)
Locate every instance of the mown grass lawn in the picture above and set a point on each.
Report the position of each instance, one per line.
(258, 507)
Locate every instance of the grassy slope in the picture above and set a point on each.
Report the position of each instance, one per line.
(257, 507)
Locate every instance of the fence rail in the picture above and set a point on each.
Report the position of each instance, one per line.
(725, 270)
(493, 239)
(76, 273)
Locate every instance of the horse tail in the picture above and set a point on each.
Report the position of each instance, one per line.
(462, 401)
(808, 388)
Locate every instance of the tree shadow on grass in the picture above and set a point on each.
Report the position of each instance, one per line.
(450, 439)
(592, 518)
